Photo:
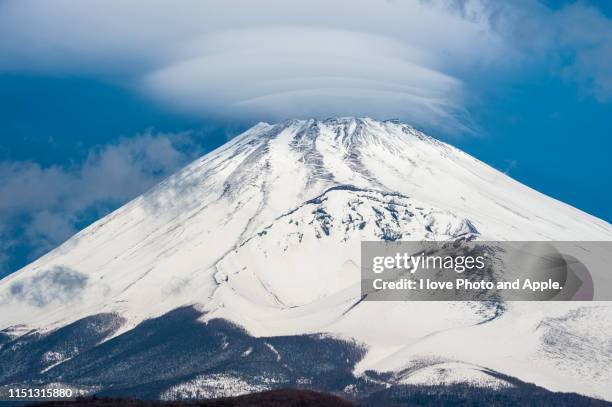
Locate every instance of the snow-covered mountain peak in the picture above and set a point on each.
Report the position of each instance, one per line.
(177, 231)
(346, 131)
(265, 231)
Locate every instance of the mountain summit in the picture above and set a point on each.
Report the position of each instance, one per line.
(264, 233)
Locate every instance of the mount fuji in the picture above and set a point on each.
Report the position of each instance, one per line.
(241, 273)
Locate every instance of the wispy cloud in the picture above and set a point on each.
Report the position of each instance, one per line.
(573, 42)
(60, 284)
(41, 207)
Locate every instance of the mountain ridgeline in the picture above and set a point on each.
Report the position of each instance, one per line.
(241, 274)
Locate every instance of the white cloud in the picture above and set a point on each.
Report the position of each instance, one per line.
(280, 72)
(265, 59)
(411, 59)
(61, 284)
(41, 207)
(574, 41)
(587, 36)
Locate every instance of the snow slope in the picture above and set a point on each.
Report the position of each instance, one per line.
(265, 231)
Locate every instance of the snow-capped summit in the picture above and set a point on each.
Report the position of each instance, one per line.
(265, 232)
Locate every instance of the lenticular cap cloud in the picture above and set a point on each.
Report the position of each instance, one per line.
(420, 61)
(286, 71)
(267, 60)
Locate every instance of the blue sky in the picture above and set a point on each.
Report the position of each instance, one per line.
(101, 102)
